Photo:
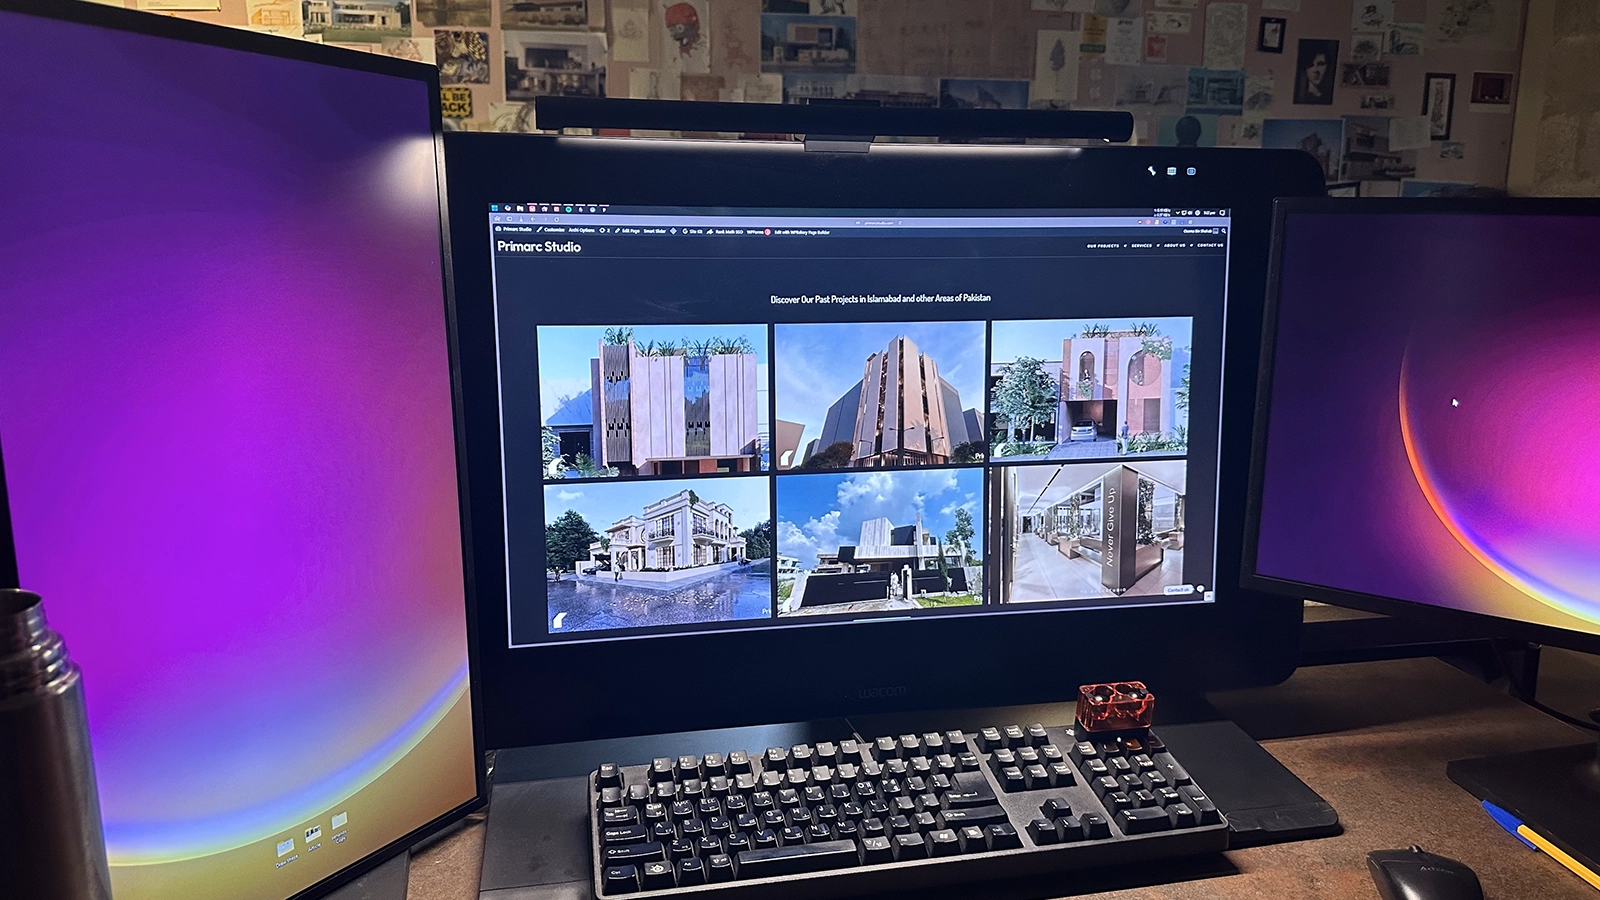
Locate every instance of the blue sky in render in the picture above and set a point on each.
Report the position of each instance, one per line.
(603, 503)
(817, 513)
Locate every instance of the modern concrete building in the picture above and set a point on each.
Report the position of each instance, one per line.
(665, 415)
(900, 413)
(786, 444)
(678, 532)
(1118, 380)
(374, 14)
(883, 547)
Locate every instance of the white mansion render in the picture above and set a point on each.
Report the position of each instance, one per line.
(678, 532)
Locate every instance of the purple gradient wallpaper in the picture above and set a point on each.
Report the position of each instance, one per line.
(227, 430)
(1434, 420)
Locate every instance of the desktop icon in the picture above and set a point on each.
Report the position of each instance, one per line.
(313, 833)
(1172, 170)
(286, 847)
(1191, 170)
(340, 820)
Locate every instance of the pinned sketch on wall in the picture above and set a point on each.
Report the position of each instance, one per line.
(1369, 15)
(281, 17)
(357, 21)
(554, 63)
(1124, 41)
(1270, 34)
(177, 5)
(1491, 93)
(794, 43)
(1314, 71)
(1481, 24)
(653, 84)
(1367, 46)
(1368, 155)
(511, 118)
(1152, 88)
(832, 7)
(447, 13)
(1055, 69)
(1322, 138)
(1377, 101)
(544, 13)
(1189, 130)
(462, 56)
(1405, 38)
(1226, 27)
(1167, 22)
(1155, 48)
(707, 88)
(1408, 132)
(1115, 9)
(1366, 74)
(1094, 34)
(415, 49)
(760, 87)
(685, 42)
(983, 93)
(1062, 5)
(735, 36)
(1452, 150)
(630, 31)
(1258, 97)
(1438, 103)
(1216, 93)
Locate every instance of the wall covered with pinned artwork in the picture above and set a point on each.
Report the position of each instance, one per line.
(1394, 97)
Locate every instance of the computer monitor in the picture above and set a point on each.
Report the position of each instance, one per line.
(1425, 437)
(230, 451)
(787, 434)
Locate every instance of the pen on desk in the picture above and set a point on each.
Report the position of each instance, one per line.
(1536, 841)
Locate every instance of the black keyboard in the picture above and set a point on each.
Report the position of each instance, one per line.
(860, 817)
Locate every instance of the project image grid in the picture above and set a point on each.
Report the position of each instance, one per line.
(709, 476)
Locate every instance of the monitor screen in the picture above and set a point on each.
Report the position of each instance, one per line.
(1431, 432)
(726, 419)
(229, 446)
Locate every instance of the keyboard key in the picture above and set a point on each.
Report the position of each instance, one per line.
(765, 839)
(1055, 808)
(1129, 783)
(658, 875)
(1201, 804)
(909, 746)
(909, 847)
(926, 801)
(1036, 736)
(1167, 796)
(925, 821)
(687, 767)
(1105, 785)
(1070, 829)
(739, 763)
(876, 850)
(1050, 753)
(625, 854)
(886, 748)
(955, 741)
(1036, 777)
(872, 826)
(610, 797)
(608, 775)
(989, 740)
(773, 818)
(1154, 781)
(719, 868)
(792, 835)
(1143, 799)
(714, 764)
(691, 872)
(814, 795)
(1182, 815)
(708, 808)
(800, 816)
(692, 829)
(1082, 752)
(663, 831)
(1116, 802)
(1143, 820)
(1011, 780)
(1061, 775)
(1002, 837)
(1013, 736)
(638, 795)
(943, 842)
(680, 849)
(847, 829)
(1095, 826)
(1027, 756)
(681, 809)
(971, 838)
(800, 755)
(827, 753)
(850, 751)
(967, 761)
(620, 879)
(1043, 832)
(739, 840)
(1119, 766)
(1153, 744)
(619, 815)
(624, 834)
(978, 815)
(902, 806)
(932, 744)
(776, 759)
(818, 833)
(661, 769)
(901, 825)
(1001, 758)
(1142, 762)
(708, 845)
(968, 789)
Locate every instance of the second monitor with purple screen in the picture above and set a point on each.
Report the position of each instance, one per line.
(230, 454)
(1430, 430)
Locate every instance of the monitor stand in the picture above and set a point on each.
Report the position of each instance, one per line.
(1554, 792)
(386, 882)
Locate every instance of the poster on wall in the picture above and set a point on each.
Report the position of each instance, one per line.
(1216, 93)
(1322, 138)
(357, 21)
(1438, 103)
(1226, 26)
(544, 13)
(1055, 69)
(630, 31)
(1368, 154)
(1314, 71)
(793, 43)
(1124, 42)
(275, 17)
(554, 64)
(1152, 89)
(462, 56)
(1477, 24)
(685, 38)
(453, 13)
(983, 93)
(1491, 93)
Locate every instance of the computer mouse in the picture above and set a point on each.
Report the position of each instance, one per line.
(1416, 874)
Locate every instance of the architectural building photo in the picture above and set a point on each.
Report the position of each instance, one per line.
(652, 400)
(1088, 530)
(1089, 388)
(879, 394)
(631, 554)
(555, 64)
(862, 542)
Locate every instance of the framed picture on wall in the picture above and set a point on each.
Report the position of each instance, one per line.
(1269, 36)
(1438, 103)
(1314, 68)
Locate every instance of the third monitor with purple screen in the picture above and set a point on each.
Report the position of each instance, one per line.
(1425, 442)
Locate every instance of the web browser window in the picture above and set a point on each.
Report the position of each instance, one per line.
(740, 418)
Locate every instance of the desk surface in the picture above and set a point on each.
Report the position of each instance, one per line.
(1371, 738)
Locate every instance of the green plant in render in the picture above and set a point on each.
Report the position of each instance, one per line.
(567, 540)
(758, 541)
(1180, 397)
(1024, 397)
(960, 536)
(834, 456)
(618, 337)
(585, 467)
(550, 443)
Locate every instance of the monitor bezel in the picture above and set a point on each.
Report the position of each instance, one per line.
(1483, 624)
(547, 694)
(240, 39)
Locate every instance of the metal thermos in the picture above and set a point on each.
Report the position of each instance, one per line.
(51, 845)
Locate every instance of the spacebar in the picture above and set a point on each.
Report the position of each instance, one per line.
(773, 861)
